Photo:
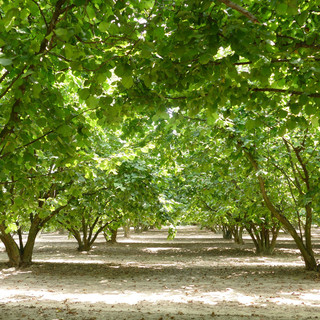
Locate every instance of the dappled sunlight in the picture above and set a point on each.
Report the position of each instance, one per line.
(181, 296)
(311, 298)
(12, 272)
(289, 250)
(265, 261)
(154, 266)
(161, 249)
(130, 297)
(71, 260)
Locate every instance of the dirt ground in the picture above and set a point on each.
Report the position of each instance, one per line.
(199, 275)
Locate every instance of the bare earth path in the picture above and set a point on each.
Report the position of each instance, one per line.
(196, 276)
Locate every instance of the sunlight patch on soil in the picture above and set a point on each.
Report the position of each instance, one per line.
(265, 261)
(72, 260)
(311, 298)
(173, 296)
(129, 297)
(156, 249)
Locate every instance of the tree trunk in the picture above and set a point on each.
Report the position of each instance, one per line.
(114, 234)
(11, 246)
(275, 232)
(84, 246)
(306, 250)
(261, 239)
(111, 235)
(20, 256)
(83, 243)
(126, 230)
(28, 248)
(237, 234)
(227, 234)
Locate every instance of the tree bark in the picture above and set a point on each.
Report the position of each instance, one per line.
(84, 246)
(306, 250)
(113, 237)
(261, 240)
(20, 256)
(126, 230)
(12, 248)
(28, 248)
(114, 234)
(237, 234)
(227, 234)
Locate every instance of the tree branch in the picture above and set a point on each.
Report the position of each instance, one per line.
(53, 22)
(13, 82)
(41, 12)
(55, 212)
(295, 169)
(312, 95)
(28, 144)
(238, 8)
(4, 76)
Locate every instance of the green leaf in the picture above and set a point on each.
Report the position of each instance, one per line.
(309, 109)
(84, 93)
(103, 26)
(36, 88)
(65, 130)
(283, 114)
(69, 51)
(302, 17)
(295, 108)
(101, 77)
(159, 33)
(147, 80)
(281, 8)
(127, 82)
(18, 201)
(11, 227)
(146, 4)
(282, 131)
(291, 123)
(5, 61)
(80, 2)
(205, 58)
(292, 7)
(62, 33)
(91, 12)
(251, 124)
(119, 186)
(147, 49)
(92, 102)
(123, 70)
(106, 101)
(315, 121)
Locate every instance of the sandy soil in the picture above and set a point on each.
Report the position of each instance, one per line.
(196, 276)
